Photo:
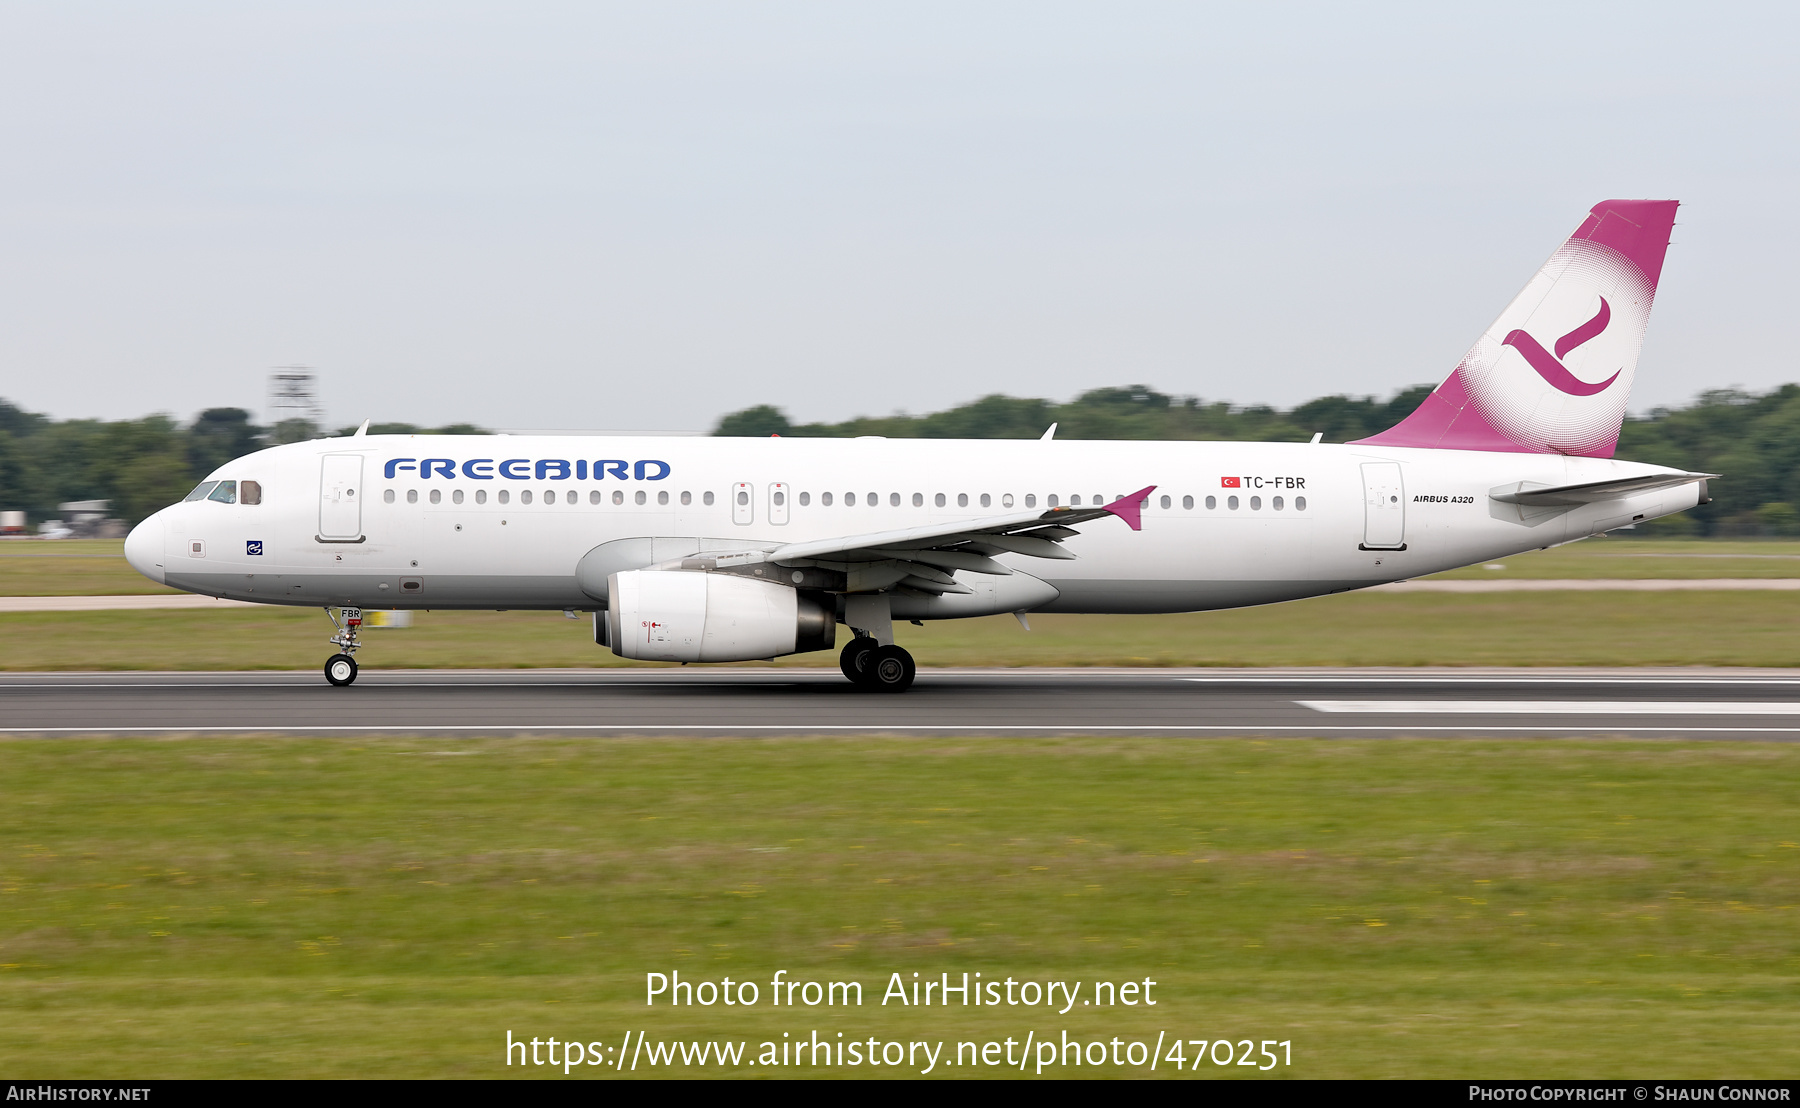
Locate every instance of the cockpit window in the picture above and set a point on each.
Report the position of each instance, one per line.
(250, 492)
(200, 491)
(224, 493)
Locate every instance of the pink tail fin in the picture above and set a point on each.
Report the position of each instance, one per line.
(1552, 375)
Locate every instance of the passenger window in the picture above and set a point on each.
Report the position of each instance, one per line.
(875, 499)
(1098, 499)
(805, 498)
(524, 496)
(1256, 503)
(1006, 500)
(962, 500)
(640, 496)
(456, 497)
(706, 499)
(250, 492)
(849, 500)
(1299, 503)
(743, 498)
(1031, 500)
(225, 492)
(1276, 503)
(412, 496)
(437, 497)
(779, 497)
(825, 500)
(503, 496)
(1049, 502)
(1231, 502)
(688, 498)
(594, 497)
(919, 499)
(481, 496)
(663, 497)
(387, 497)
(1211, 502)
(1166, 502)
(200, 491)
(938, 500)
(618, 496)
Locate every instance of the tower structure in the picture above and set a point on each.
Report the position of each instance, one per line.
(294, 394)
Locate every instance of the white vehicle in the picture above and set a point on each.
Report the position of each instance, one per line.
(719, 549)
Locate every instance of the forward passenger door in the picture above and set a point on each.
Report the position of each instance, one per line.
(340, 497)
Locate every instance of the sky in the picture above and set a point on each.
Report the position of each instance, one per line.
(644, 216)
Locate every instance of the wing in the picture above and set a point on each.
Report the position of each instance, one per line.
(925, 558)
(1533, 494)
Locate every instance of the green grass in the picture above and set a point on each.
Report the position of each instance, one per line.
(72, 567)
(1641, 558)
(332, 908)
(1367, 629)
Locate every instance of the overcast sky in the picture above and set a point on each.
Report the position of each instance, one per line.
(647, 215)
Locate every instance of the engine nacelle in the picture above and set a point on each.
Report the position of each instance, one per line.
(686, 616)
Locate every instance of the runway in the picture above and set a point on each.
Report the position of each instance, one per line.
(1192, 703)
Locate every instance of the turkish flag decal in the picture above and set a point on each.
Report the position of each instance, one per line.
(1231, 482)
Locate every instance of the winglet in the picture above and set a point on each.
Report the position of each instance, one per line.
(1131, 508)
(361, 431)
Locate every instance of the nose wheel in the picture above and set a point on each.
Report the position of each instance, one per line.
(340, 669)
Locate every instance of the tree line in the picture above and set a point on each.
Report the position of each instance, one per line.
(143, 464)
(138, 464)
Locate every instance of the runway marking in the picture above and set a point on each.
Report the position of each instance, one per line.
(791, 728)
(1557, 707)
(1454, 679)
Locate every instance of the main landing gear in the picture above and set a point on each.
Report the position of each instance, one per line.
(877, 667)
(340, 669)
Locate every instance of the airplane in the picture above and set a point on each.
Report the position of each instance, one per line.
(739, 549)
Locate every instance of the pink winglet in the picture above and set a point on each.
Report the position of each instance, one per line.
(1131, 508)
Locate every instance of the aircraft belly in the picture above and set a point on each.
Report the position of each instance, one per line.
(1137, 597)
(365, 590)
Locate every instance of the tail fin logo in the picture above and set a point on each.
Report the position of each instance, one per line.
(1550, 367)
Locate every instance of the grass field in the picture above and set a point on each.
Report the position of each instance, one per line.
(97, 568)
(1365, 629)
(262, 907)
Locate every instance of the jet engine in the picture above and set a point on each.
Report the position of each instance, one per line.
(688, 616)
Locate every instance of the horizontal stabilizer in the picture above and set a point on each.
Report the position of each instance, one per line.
(1534, 493)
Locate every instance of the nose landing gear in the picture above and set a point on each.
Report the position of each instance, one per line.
(340, 669)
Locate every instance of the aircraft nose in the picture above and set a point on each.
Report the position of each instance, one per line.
(144, 548)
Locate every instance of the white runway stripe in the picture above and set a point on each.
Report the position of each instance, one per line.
(1224, 729)
(1557, 707)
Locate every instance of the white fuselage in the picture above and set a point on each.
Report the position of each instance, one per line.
(503, 521)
